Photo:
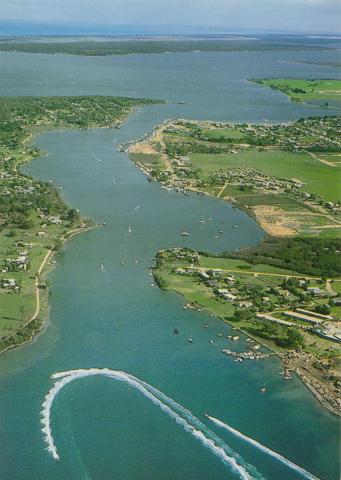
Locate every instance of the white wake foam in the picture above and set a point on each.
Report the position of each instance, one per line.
(183, 417)
(263, 448)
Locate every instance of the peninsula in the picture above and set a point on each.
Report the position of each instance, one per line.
(326, 92)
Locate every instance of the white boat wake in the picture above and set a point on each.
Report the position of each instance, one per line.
(263, 448)
(97, 157)
(136, 209)
(183, 417)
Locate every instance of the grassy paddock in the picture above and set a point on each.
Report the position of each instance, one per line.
(318, 177)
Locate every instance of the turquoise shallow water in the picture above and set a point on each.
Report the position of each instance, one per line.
(115, 319)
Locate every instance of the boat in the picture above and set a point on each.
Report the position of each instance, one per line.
(205, 326)
(211, 342)
(184, 234)
(235, 226)
(176, 331)
(122, 262)
(129, 229)
(101, 267)
(263, 389)
(190, 340)
(201, 221)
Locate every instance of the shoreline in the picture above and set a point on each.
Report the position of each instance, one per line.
(307, 382)
(27, 331)
(166, 171)
(326, 399)
(42, 307)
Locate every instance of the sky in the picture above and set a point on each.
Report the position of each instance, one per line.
(250, 15)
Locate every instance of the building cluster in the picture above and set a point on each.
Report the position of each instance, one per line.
(284, 304)
(249, 177)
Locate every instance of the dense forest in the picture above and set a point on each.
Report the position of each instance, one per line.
(312, 256)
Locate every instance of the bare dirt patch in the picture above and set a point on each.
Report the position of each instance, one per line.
(274, 222)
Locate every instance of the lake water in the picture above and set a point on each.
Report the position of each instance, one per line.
(112, 317)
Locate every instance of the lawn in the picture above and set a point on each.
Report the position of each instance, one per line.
(305, 90)
(242, 265)
(224, 133)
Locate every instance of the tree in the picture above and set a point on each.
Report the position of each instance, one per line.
(324, 309)
(73, 215)
(294, 339)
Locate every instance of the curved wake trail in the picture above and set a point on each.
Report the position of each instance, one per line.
(183, 417)
(263, 448)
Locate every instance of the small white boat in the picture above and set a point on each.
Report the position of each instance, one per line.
(184, 234)
(190, 340)
(235, 226)
(129, 229)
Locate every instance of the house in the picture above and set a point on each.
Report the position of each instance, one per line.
(40, 234)
(180, 271)
(230, 279)
(316, 291)
(337, 301)
(217, 273)
(245, 304)
(204, 275)
(184, 159)
(9, 283)
(225, 294)
(55, 220)
(21, 262)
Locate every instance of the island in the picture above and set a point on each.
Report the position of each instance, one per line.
(284, 293)
(34, 219)
(149, 44)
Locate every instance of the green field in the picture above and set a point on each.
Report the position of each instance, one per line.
(330, 157)
(306, 90)
(223, 133)
(236, 264)
(319, 178)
